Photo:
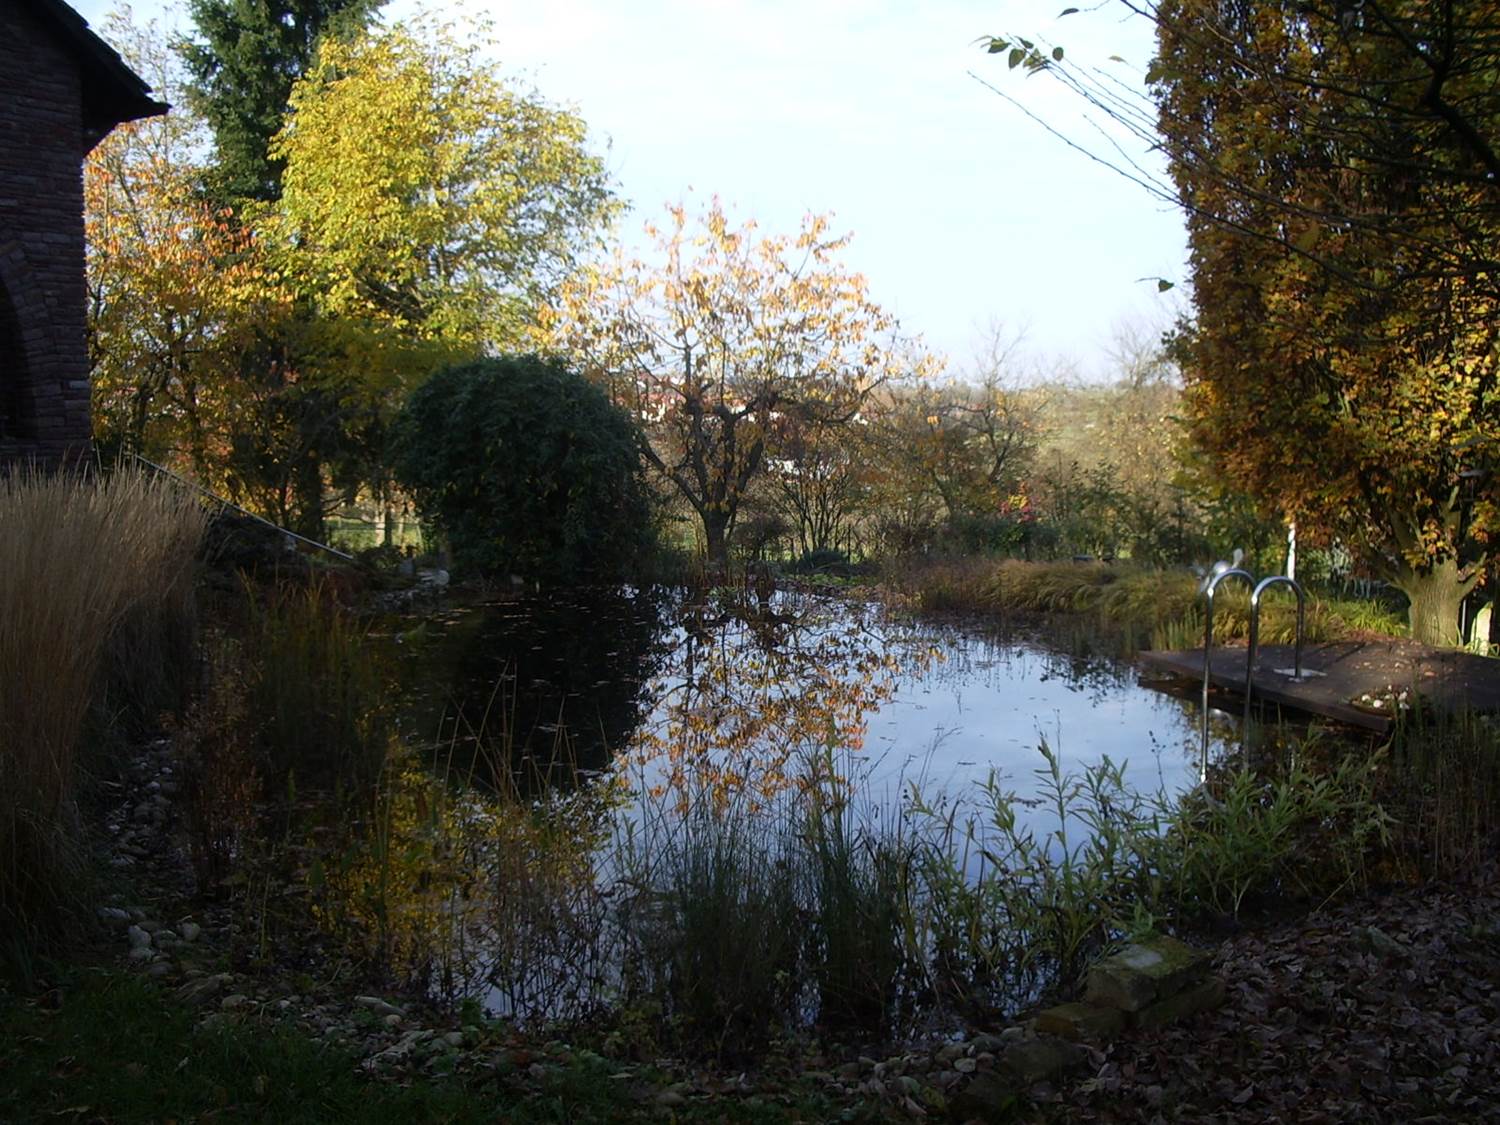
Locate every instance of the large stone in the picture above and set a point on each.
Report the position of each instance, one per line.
(1190, 1001)
(985, 1041)
(399, 1051)
(1046, 1056)
(1142, 974)
(1383, 945)
(1081, 1021)
(988, 1098)
(202, 989)
(378, 1006)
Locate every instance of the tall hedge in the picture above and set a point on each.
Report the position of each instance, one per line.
(527, 469)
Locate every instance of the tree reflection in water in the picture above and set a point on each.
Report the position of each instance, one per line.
(542, 896)
(754, 694)
(506, 888)
(548, 685)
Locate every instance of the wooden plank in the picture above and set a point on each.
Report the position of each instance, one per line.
(1449, 680)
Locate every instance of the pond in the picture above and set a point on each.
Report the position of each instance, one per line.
(643, 682)
(742, 805)
(741, 812)
(742, 815)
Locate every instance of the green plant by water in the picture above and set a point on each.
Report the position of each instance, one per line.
(722, 921)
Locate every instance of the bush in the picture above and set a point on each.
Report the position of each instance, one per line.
(823, 560)
(990, 533)
(526, 468)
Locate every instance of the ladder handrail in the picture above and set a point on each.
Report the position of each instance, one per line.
(214, 496)
(1257, 589)
(1261, 587)
(1209, 588)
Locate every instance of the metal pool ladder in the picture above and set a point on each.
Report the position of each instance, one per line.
(1258, 588)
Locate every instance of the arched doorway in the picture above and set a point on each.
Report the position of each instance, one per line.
(16, 421)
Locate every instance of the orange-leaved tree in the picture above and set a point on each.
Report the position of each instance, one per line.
(176, 288)
(1339, 166)
(722, 334)
(1342, 214)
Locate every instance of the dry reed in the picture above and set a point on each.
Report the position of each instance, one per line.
(79, 555)
(1160, 606)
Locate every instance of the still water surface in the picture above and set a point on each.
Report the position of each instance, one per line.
(642, 681)
(736, 698)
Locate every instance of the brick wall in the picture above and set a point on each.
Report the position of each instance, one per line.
(44, 389)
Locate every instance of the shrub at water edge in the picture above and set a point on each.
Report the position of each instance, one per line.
(526, 468)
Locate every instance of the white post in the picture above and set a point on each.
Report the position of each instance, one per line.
(1291, 550)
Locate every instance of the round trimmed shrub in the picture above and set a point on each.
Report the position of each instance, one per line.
(526, 468)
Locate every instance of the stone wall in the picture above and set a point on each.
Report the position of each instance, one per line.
(44, 388)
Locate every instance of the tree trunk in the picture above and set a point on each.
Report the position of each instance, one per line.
(716, 541)
(307, 497)
(1494, 587)
(1435, 593)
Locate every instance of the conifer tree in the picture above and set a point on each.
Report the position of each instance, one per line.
(243, 66)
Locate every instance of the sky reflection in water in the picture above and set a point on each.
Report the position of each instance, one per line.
(738, 696)
(628, 677)
(991, 702)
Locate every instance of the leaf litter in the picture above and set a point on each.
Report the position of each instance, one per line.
(1383, 1009)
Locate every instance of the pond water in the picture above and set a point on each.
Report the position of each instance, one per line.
(648, 683)
(645, 715)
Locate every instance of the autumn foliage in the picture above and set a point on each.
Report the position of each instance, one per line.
(429, 194)
(1342, 368)
(721, 340)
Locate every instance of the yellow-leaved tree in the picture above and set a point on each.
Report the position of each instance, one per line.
(1343, 367)
(721, 336)
(425, 192)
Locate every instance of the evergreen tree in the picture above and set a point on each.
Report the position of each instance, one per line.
(243, 67)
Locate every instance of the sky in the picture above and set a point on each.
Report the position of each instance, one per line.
(967, 218)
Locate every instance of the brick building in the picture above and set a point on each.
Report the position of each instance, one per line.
(62, 89)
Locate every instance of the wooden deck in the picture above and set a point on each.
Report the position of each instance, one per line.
(1446, 679)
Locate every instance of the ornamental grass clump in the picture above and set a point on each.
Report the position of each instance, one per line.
(1443, 784)
(86, 560)
(711, 920)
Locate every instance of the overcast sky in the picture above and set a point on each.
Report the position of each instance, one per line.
(964, 213)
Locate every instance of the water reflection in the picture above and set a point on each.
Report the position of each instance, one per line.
(994, 699)
(738, 696)
(754, 695)
(466, 891)
(548, 906)
(552, 685)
